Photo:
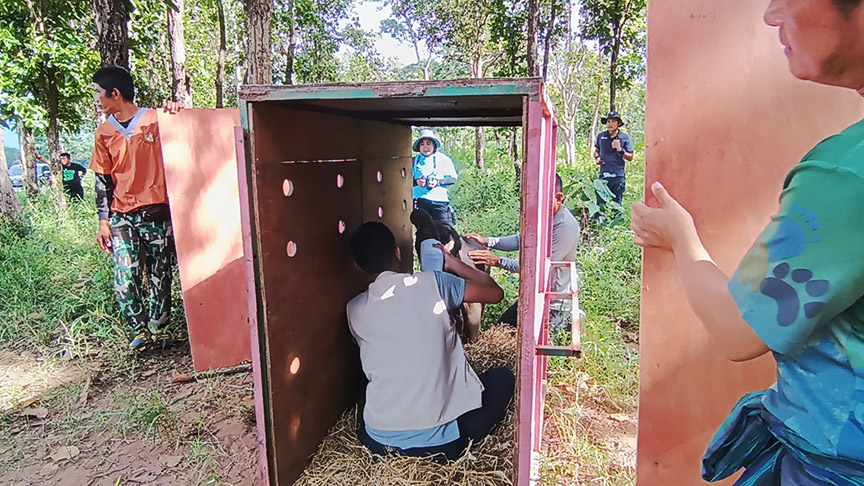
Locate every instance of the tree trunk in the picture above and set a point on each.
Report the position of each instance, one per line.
(181, 91)
(533, 27)
(514, 154)
(111, 32)
(10, 210)
(548, 41)
(292, 45)
(594, 118)
(28, 159)
(220, 63)
(479, 146)
(259, 61)
(53, 134)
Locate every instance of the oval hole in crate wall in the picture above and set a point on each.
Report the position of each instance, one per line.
(380, 212)
(340, 181)
(404, 205)
(404, 173)
(295, 366)
(341, 226)
(287, 187)
(291, 248)
(379, 176)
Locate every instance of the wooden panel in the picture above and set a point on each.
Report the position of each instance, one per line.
(252, 302)
(386, 148)
(295, 134)
(313, 364)
(536, 227)
(201, 175)
(725, 122)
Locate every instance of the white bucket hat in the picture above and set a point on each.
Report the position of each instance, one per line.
(426, 133)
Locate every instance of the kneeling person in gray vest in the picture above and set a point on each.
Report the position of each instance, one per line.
(423, 398)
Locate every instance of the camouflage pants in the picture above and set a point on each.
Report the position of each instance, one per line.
(130, 237)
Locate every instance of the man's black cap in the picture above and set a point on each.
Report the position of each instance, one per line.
(613, 115)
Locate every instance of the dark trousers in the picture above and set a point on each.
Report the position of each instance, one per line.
(74, 191)
(441, 212)
(498, 386)
(616, 185)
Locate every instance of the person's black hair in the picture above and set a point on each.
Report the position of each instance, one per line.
(66, 154)
(429, 228)
(374, 247)
(559, 184)
(110, 78)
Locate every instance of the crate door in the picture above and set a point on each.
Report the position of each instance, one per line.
(703, 144)
(201, 174)
(538, 182)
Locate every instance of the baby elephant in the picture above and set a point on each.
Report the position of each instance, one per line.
(467, 318)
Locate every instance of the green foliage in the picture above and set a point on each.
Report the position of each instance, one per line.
(55, 283)
(620, 29)
(43, 52)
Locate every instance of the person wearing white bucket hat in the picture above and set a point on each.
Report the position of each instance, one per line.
(433, 173)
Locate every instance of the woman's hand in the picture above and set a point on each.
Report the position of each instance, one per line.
(669, 227)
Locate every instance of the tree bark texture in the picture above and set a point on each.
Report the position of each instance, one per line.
(548, 42)
(259, 61)
(28, 159)
(223, 51)
(292, 45)
(594, 120)
(53, 134)
(111, 32)
(533, 27)
(479, 146)
(10, 210)
(181, 91)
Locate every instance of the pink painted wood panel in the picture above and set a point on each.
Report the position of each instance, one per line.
(536, 230)
(725, 121)
(201, 175)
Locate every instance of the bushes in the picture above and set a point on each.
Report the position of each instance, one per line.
(55, 283)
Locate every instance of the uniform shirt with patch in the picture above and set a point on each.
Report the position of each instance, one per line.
(132, 155)
(800, 288)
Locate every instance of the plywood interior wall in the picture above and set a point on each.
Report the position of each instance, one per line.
(339, 172)
(725, 121)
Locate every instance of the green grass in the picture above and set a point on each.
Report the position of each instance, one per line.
(55, 283)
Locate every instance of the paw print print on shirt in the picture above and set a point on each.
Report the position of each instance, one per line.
(796, 230)
(785, 286)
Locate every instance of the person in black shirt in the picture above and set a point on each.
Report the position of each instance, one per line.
(71, 180)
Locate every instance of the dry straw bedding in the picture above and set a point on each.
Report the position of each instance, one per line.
(343, 460)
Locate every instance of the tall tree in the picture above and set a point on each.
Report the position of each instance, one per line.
(533, 27)
(28, 158)
(619, 28)
(10, 210)
(181, 90)
(412, 21)
(223, 52)
(312, 33)
(47, 59)
(112, 34)
(259, 60)
(466, 26)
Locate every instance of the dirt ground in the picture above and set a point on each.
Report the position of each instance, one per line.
(109, 420)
